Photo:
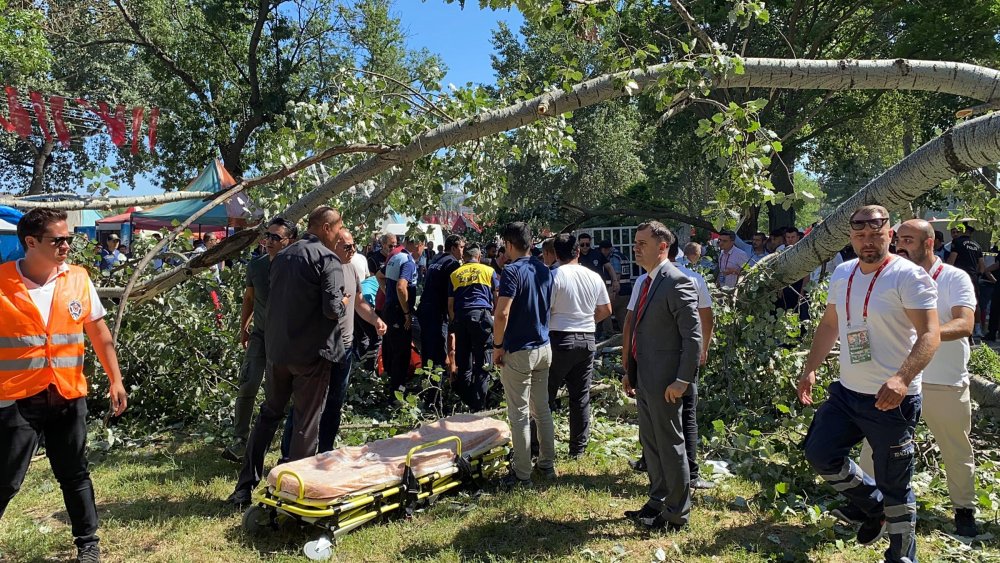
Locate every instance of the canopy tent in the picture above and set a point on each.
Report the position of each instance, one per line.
(238, 211)
(114, 222)
(454, 221)
(10, 246)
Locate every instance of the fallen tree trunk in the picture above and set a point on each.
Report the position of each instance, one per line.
(961, 79)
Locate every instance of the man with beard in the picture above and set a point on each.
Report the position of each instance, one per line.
(883, 309)
(946, 406)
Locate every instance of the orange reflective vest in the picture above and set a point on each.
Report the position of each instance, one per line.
(32, 355)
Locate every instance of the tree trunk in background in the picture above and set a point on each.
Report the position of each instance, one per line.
(38, 168)
(783, 177)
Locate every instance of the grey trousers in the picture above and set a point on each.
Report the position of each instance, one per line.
(661, 433)
(525, 378)
(251, 376)
(307, 386)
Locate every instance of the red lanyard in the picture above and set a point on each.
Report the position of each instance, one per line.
(937, 272)
(868, 296)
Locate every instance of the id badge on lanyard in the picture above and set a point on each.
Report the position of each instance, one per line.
(858, 336)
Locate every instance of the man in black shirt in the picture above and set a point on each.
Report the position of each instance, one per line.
(432, 314)
(303, 340)
(967, 255)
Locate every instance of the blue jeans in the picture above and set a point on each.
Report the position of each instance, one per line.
(329, 422)
(840, 423)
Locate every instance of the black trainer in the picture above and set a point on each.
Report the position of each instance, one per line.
(872, 530)
(638, 465)
(512, 481)
(89, 554)
(849, 514)
(965, 522)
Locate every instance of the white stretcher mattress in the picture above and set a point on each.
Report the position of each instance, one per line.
(355, 469)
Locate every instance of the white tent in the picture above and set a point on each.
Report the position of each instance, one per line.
(435, 234)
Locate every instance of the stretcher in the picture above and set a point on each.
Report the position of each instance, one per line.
(340, 490)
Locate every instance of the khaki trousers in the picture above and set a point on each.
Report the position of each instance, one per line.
(525, 378)
(948, 413)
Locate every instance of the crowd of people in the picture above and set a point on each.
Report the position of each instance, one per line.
(902, 306)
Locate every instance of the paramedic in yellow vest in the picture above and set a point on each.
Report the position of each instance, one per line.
(47, 305)
(472, 294)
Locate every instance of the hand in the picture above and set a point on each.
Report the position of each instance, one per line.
(891, 394)
(245, 336)
(380, 327)
(119, 398)
(346, 300)
(703, 360)
(675, 391)
(498, 357)
(805, 387)
(615, 288)
(407, 322)
(627, 386)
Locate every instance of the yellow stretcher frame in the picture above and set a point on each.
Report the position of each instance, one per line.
(339, 516)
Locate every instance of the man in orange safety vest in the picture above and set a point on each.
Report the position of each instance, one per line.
(47, 305)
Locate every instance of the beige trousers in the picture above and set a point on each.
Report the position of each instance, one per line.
(948, 413)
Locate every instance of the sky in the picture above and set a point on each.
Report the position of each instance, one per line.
(460, 37)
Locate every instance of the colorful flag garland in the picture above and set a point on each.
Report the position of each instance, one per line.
(54, 109)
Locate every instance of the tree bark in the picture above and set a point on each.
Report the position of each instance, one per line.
(782, 171)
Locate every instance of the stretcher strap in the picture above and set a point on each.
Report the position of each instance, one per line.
(412, 491)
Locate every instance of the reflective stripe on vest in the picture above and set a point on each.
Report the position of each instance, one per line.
(39, 340)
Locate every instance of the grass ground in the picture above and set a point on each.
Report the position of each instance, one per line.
(164, 503)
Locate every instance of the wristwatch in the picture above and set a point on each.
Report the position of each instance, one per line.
(498, 346)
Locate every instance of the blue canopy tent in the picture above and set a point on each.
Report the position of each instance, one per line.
(238, 211)
(10, 247)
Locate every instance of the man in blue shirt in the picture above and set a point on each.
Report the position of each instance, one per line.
(521, 348)
(400, 298)
(433, 310)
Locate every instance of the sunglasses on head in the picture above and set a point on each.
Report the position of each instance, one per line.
(57, 241)
(873, 224)
(272, 237)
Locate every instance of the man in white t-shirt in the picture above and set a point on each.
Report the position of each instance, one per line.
(689, 403)
(731, 259)
(579, 302)
(883, 309)
(946, 406)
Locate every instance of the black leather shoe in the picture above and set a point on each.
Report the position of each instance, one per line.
(638, 465)
(240, 499)
(965, 522)
(644, 513)
(659, 524)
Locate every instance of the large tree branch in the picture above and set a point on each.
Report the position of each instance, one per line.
(965, 147)
(953, 78)
(263, 9)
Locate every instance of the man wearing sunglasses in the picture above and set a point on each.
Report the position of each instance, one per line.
(280, 233)
(883, 309)
(47, 306)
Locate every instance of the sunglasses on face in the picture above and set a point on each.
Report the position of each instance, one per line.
(348, 247)
(587, 244)
(873, 224)
(58, 241)
(272, 237)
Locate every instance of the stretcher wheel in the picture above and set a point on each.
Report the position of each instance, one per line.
(256, 520)
(319, 550)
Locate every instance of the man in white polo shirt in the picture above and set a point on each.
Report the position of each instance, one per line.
(946, 406)
(579, 302)
(883, 309)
